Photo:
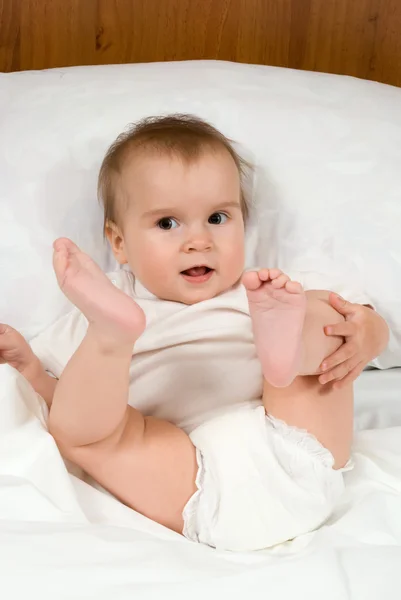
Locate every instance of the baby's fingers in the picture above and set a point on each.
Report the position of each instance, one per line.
(352, 375)
(3, 328)
(345, 352)
(7, 337)
(344, 329)
(340, 371)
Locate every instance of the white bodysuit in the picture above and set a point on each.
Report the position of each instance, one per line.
(260, 482)
(189, 364)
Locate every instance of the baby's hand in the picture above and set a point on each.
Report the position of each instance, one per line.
(15, 351)
(366, 335)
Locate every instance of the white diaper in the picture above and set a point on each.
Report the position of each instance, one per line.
(260, 482)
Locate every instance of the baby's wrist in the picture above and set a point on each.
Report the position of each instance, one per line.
(43, 383)
(34, 372)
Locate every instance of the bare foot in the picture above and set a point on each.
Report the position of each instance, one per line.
(107, 308)
(277, 307)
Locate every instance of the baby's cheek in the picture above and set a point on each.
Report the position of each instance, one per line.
(235, 257)
(156, 260)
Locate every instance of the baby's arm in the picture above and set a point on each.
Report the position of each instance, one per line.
(288, 326)
(15, 351)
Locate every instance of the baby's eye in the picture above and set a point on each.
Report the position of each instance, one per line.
(167, 223)
(217, 218)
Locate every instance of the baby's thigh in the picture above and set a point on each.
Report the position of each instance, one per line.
(151, 467)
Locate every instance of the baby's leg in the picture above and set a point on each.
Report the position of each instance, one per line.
(149, 464)
(319, 409)
(290, 341)
(288, 325)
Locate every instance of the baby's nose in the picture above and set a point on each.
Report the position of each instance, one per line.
(198, 244)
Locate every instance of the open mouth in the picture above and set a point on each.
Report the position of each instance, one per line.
(198, 274)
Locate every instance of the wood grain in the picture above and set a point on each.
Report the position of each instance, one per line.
(352, 37)
(9, 34)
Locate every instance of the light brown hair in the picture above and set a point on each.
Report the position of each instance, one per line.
(184, 136)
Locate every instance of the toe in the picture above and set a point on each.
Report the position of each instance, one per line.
(58, 244)
(264, 274)
(60, 259)
(251, 280)
(274, 273)
(280, 281)
(294, 287)
(67, 244)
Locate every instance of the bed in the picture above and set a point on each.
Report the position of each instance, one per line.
(62, 538)
(326, 196)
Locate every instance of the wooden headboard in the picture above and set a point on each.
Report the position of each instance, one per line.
(353, 37)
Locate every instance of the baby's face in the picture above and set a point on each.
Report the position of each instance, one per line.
(183, 230)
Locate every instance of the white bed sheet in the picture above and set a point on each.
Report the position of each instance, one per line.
(61, 539)
(378, 399)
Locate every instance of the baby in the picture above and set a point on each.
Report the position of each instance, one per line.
(184, 321)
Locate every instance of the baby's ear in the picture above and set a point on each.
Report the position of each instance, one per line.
(116, 240)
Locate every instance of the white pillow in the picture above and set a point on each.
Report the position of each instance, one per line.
(327, 151)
